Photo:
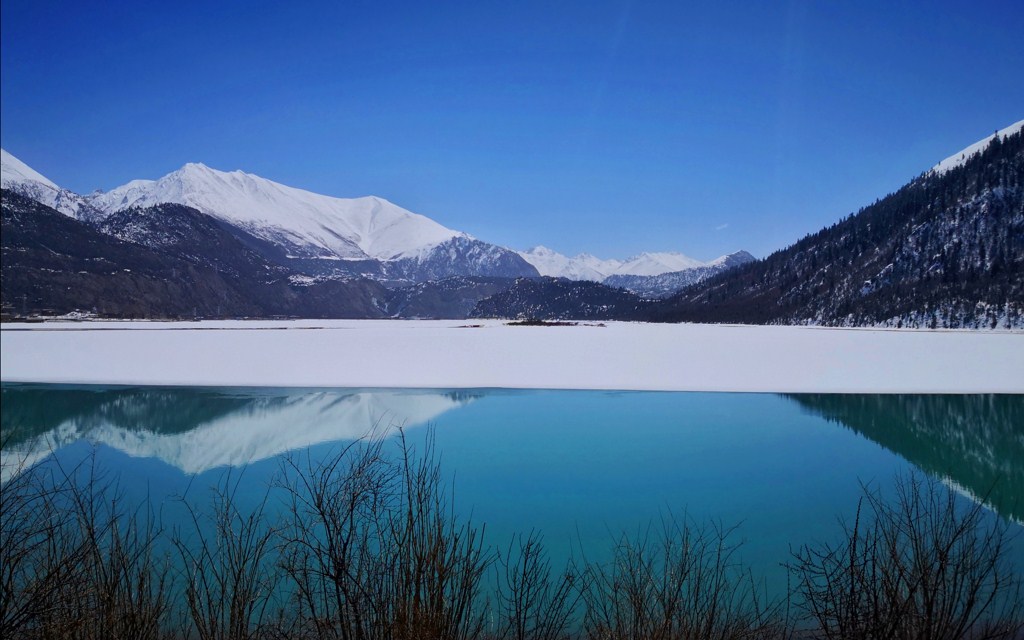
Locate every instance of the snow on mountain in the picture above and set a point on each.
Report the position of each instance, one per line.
(588, 267)
(552, 263)
(653, 264)
(308, 224)
(731, 259)
(23, 179)
(665, 284)
(14, 170)
(962, 156)
(247, 435)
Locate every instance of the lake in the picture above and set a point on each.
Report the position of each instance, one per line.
(581, 467)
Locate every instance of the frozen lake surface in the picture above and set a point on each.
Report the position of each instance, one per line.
(492, 354)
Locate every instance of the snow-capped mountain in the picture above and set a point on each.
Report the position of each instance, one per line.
(23, 179)
(582, 267)
(308, 224)
(653, 264)
(588, 267)
(665, 284)
(320, 234)
(960, 157)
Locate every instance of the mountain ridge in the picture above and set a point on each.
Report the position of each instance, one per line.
(585, 266)
(319, 235)
(946, 249)
(314, 225)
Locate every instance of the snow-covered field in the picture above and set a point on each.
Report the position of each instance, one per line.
(485, 354)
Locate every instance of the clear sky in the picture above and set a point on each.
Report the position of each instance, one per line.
(608, 127)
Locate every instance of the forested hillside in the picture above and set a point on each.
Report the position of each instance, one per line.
(946, 250)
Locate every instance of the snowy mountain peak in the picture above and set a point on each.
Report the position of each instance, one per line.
(960, 157)
(739, 257)
(653, 264)
(540, 250)
(14, 171)
(23, 179)
(307, 224)
(587, 267)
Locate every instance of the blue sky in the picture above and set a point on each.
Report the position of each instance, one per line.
(607, 127)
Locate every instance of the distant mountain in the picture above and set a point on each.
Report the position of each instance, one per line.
(588, 267)
(666, 284)
(459, 256)
(317, 234)
(18, 177)
(649, 275)
(309, 224)
(946, 250)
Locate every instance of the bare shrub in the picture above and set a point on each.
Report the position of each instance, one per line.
(435, 562)
(37, 555)
(681, 584)
(373, 550)
(76, 562)
(532, 603)
(226, 566)
(918, 567)
(331, 540)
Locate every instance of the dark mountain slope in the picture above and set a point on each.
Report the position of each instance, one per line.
(180, 263)
(561, 299)
(190, 235)
(462, 256)
(54, 263)
(454, 297)
(946, 250)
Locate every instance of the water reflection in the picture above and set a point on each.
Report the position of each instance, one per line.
(974, 442)
(197, 429)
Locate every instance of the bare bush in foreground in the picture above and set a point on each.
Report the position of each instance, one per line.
(373, 550)
(917, 567)
(680, 584)
(226, 565)
(76, 562)
(331, 537)
(368, 547)
(532, 603)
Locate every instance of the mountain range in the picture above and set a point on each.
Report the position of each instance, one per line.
(944, 250)
(249, 246)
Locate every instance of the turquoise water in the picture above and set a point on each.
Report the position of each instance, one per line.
(581, 467)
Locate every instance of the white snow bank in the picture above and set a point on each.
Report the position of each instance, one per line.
(448, 354)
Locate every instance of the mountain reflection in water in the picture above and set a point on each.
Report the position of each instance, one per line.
(974, 442)
(197, 429)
